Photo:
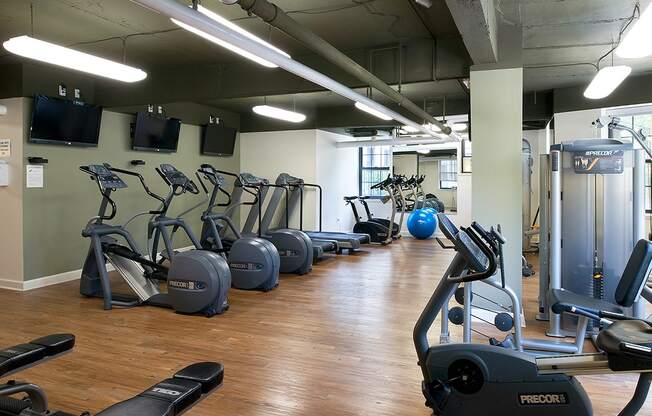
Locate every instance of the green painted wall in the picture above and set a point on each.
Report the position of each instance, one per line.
(55, 215)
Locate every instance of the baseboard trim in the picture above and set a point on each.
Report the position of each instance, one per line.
(10, 284)
(55, 279)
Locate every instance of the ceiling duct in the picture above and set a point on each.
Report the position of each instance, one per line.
(187, 15)
(276, 17)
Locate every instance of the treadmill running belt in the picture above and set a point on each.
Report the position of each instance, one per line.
(350, 241)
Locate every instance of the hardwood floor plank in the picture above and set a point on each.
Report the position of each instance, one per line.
(335, 342)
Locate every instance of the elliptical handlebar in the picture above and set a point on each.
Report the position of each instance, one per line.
(142, 182)
(105, 195)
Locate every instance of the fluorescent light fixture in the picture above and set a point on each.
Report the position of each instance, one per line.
(433, 127)
(636, 43)
(410, 129)
(3, 110)
(459, 126)
(423, 151)
(214, 16)
(279, 113)
(51, 53)
(372, 111)
(606, 81)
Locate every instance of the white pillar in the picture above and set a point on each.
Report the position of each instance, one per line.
(497, 125)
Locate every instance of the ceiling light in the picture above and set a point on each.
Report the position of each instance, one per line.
(51, 53)
(459, 126)
(433, 127)
(3, 110)
(410, 129)
(372, 111)
(423, 151)
(636, 43)
(279, 113)
(216, 17)
(606, 81)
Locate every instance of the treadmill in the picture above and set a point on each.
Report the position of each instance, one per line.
(294, 247)
(319, 246)
(295, 186)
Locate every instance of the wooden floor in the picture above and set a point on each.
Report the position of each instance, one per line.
(335, 342)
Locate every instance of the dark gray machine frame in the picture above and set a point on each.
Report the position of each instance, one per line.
(472, 379)
(294, 247)
(295, 186)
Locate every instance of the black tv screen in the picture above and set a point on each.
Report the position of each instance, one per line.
(59, 121)
(218, 140)
(156, 133)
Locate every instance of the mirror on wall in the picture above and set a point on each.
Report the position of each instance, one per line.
(439, 171)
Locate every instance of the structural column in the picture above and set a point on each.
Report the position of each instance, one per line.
(497, 126)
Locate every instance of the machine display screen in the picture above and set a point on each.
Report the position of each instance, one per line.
(607, 162)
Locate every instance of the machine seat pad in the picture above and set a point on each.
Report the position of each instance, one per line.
(13, 358)
(615, 339)
(209, 375)
(173, 396)
(558, 298)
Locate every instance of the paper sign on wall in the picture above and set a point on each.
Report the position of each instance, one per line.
(5, 147)
(4, 173)
(34, 176)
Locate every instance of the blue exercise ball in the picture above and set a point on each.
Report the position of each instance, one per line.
(422, 224)
(433, 210)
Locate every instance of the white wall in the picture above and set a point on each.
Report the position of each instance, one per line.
(576, 125)
(11, 197)
(313, 156)
(337, 172)
(267, 154)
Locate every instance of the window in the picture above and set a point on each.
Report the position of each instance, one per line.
(375, 164)
(638, 122)
(448, 174)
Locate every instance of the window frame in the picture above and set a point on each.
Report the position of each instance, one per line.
(630, 115)
(455, 172)
(362, 168)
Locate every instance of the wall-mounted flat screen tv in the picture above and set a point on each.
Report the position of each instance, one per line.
(59, 121)
(218, 140)
(156, 133)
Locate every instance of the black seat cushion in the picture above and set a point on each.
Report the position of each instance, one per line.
(614, 339)
(559, 299)
(635, 274)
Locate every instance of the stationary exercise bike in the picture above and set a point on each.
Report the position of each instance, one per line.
(474, 379)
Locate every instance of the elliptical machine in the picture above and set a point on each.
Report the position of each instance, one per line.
(197, 281)
(471, 379)
(254, 261)
(380, 230)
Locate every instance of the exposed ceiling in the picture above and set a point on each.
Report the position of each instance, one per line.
(557, 32)
(561, 38)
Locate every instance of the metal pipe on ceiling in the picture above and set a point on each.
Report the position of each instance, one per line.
(275, 16)
(189, 16)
